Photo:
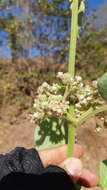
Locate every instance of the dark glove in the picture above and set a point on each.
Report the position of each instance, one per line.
(22, 169)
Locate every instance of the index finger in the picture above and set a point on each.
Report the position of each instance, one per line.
(57, 155)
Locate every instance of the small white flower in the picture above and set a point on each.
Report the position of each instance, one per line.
(81, 97)
(83, 101)
(54, 87)
(60, 74)
(35, 115)
(45, 84)
(98, 129)
(59, 110)
(34, 105)
(89, 98)
(67, 102)
(81, 85)
(78, 78)
(102, 118)
(94, 83)
(87, 88)
(77, 105)
(42, 97)
(71, 79)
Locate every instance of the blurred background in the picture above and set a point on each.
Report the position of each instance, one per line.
(34, 46)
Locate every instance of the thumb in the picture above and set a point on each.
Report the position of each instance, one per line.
(73, 167)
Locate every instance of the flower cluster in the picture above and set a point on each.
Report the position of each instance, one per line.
(55, 100)
(88, 96)
(49, 102)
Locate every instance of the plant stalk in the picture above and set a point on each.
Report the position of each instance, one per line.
(71, 134)
(91, 113)
(86, 115)
(73, 37)
(71, 70)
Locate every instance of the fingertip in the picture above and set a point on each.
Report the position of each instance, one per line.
(88, 179)
(73, 167)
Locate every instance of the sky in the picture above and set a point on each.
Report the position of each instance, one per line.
(96, 3)
(5, 51)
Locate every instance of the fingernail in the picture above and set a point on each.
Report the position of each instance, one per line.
(74, 168)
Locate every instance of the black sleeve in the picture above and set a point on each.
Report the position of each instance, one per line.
(20, 160)
(22, 169)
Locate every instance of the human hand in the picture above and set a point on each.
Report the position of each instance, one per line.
(73, 166)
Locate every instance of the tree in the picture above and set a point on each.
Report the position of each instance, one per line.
(44, 25)
(53, 23)
(18, 24)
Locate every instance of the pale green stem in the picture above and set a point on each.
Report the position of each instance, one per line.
(90, 113)
(73, 37)
(71, 140)
(86, 115)
(71, 70)
(71, 134)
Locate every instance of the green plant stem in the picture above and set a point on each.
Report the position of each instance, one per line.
(71, 134)
(73, 37)
(71, 70)
(86, 115)
(90, 113)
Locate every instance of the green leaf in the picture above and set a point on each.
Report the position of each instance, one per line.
(103, 174)
(102, 86)
(50, 133)
(81, 12)
(81, 7)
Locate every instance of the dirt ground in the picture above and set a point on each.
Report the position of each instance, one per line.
(17, 130)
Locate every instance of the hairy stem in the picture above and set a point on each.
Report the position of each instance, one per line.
(71, 70)
(73, 37)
